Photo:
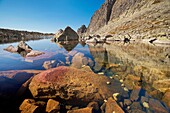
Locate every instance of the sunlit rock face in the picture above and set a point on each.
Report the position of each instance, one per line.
(138, 18)
(150, 63)
(101, 16)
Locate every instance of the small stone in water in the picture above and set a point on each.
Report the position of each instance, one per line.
(128, 107)
(108, 83)
(122, 85)
(83, 65)
(114, 112)
(105, 101)
(146, 105)
(121, 80)
(126, 89)
(101, 73)
(115, 95)
(111, 77)
(116, 75)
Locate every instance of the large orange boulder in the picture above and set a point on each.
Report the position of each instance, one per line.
(76, 86)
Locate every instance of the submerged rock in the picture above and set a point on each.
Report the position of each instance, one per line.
(113, 107)
(49, 64)
(162, 85)
(166, 98)
(94, 105)
(157, 106)
(79, 60)
(76, 86)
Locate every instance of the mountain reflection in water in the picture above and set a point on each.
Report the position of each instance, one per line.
(149, 62)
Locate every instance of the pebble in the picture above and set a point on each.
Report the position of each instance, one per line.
(111, 77)
(101, 73)
(126, 89)
(121, 81)
(83, 66)
(128, 107)
(116, 75)
(114, 112)
(146, 105)
(108, 83)
(105, 101)
(122, 85)
(115, 95)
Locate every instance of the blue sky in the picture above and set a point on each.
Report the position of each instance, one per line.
(46, 15)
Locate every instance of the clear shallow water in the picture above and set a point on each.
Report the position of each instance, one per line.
(14, 61)
(111, 58)
(150, 63)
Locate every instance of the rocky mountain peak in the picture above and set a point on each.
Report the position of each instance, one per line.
(138, 18)
(81, 30)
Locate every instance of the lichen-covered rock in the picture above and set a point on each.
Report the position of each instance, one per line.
(77, 86)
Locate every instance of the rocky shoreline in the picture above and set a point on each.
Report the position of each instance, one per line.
(79, 85)
(71, 90)
(7, 35)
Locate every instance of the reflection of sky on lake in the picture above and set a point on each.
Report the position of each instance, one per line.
(14, 61)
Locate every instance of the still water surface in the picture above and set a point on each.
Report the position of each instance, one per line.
(15, 61)
(110, 58)
(149, 62)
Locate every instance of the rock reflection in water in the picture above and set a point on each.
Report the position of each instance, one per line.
(148, 62)
(68, 45)
(23, 53)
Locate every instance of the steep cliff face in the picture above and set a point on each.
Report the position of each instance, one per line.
(101, 16)
(139, 18)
